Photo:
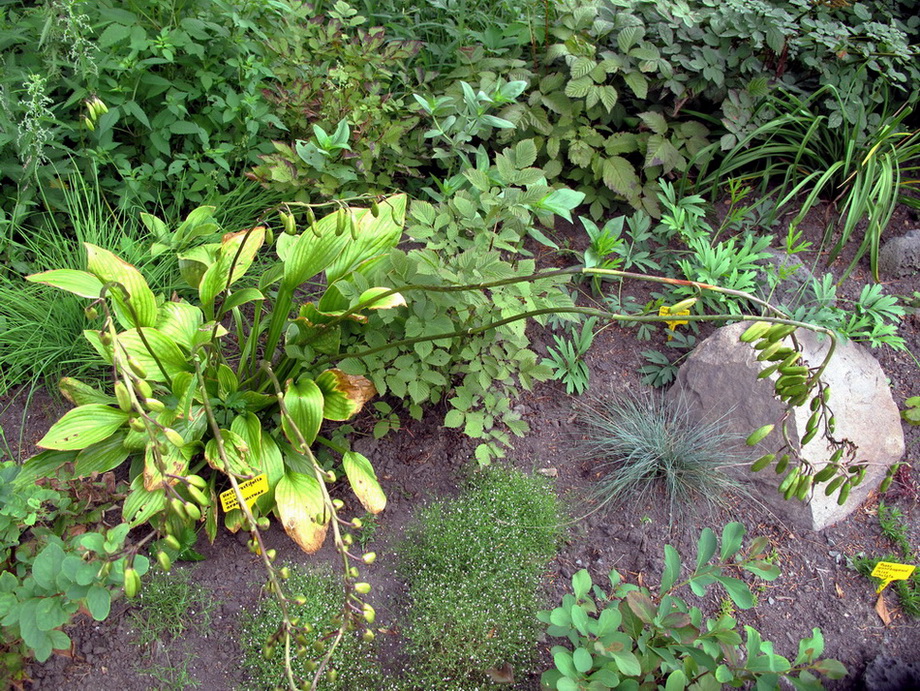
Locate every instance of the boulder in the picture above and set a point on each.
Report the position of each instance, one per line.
(900, 256)
(719, 378)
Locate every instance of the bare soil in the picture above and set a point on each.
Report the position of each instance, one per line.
(423, 460)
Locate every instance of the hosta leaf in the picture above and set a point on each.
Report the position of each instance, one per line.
(304, 404)
(301, 508)
(374, 236)
(235, 449)
(140, 505)
(102, 456)
(157, 469)
(167, 353)
(77, 282)
(82, 426)
(237, 251)
(179, 321)
(364, 482)
(316, 248)
(108, 268)
(79, 393)
(388, 302)
(343, 394)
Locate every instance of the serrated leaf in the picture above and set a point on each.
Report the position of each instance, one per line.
(661, 152)
(620, 177)
(525, 153)
(581, 67)
(638, 83)
(578, 88)
(654, 121)
(82, 426)
(301, 507)
(628, 37)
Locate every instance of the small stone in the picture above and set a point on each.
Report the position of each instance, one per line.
(548, 472)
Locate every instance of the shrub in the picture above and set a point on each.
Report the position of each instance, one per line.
(642, 442)
(473, 567)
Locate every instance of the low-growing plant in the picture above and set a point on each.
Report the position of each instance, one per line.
(473, 568)
(633, 637)
(170, 604)
(641, 443)
(45, 580)
(354, 663)
(567, 360)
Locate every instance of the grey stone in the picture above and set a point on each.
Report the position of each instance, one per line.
(886, 673)
(900, 256)
(719, 379)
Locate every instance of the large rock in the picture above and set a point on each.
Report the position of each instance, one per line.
(720, 379)
(900, 256)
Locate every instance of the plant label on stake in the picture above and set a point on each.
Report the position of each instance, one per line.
(251, 490)
(889, 571)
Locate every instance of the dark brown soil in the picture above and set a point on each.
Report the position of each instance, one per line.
(423, 460)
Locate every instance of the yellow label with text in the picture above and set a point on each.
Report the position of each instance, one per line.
(889, 571)
(251, 490)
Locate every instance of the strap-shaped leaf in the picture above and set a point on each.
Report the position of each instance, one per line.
(266, 456)
(108, 267)
(77, 282)
(343, 394)
(364, 482)
(82, 426)
(304, 404)
(300, 505)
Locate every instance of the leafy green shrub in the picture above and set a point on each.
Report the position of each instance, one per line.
(44, 579)
(354, 662)
(473, 567)
(631, 638)
(643, 442)
(164, 100)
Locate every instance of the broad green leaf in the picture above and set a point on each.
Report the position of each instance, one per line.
(102, 456)
(582, 660)
(300, 504)
(109, 268)
(581, 583)
(77, 282)
(79, 393)
(654, 121)
(677, 681)
(237, 251)
(388, 302)
(705, 548)
(236, 451)
(82, 426)
(373, 237)
(638, 83)
(738, 591)
(179, 321)
(732, 536)
(661, 152)
(41, 465)
(316, 248)
(620, 176)
(364, 482)
(304, 404)
(343, 394)
(241, 297)
(99, 602)
(671, 569)
(157, 467)
(642, 606)
(140, 505)
(164, 347)
(47, 566)
(561, 202)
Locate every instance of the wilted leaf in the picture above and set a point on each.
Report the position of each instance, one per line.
(343, 394)
(364, 482)
(300, 505)
(882, 610)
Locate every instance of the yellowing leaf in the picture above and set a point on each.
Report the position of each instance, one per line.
(109, 268)
(300, 506)
(392, 300)
(364, 482)
(77, 282)
(343, 394)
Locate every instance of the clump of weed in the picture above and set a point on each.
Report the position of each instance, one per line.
(644, 441)
(473, 567)
(171, 604)
(354, 662)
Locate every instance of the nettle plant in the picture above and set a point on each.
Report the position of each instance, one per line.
(632, 637)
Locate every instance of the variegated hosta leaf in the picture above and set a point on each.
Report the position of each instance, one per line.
(363, 481)
(82, 426)
(300, 506)
(343, 394)
(102, 456)
(169, 355)
(180, 321)
(108, 267)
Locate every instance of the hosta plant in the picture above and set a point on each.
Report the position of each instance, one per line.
(633, 637)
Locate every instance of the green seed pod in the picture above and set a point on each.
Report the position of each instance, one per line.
(889, 476)
(758, 435)
(353, 572)
(357, 523)
(263, 522)
(348, 539)
(137, 424)
(780, 354)
(813, 420)
(178, 507)
(375, 209)
(836, 456)
(124, 398)
(369, 613)
(369, 558)
(284, 572)
(143, 388)
(826, 473)
(767, 371)
(105, 338)
(268, 652)
(763, 462)
(91, 312)
(782, 465)
(164, 561)
(194, 513)
(362, 588)
(197, 481)
(174, 437)
(271, 554)
(754, 331)
(173, 542)
(332, 675)
(88, 124)
(778, 332)
(833, 485)
(809, 435)
(137, 367)
(154, 405)
(832, 424)
(132, 582)
(802, 487)
(844, 493)
(815, 403)
(269, 236)
(199, 496)
(287, 222)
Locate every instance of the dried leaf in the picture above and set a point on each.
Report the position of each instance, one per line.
(839, 590)
(882, 609)
(501, 674)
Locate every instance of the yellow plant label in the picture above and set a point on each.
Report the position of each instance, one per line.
(889, 571)
(251, 490)
(665, 311)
